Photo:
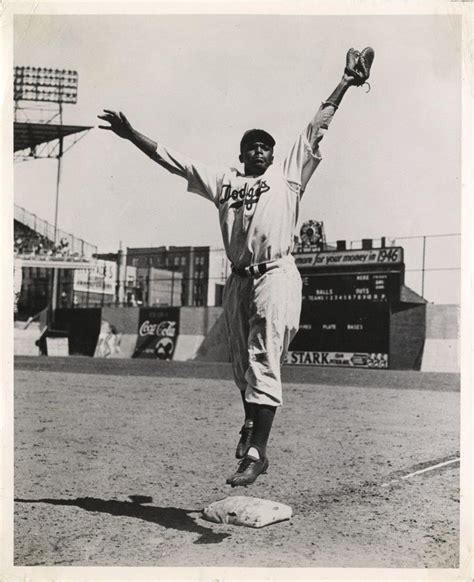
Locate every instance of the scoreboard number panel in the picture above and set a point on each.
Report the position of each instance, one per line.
(367, 287)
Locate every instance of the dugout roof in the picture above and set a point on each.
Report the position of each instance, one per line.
(407, 295)
(29, 135)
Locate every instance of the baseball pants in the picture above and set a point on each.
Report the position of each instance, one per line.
(262, 317)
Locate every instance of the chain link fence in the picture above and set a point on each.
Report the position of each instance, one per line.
(173, 278)
(432, 264)
(432, 269)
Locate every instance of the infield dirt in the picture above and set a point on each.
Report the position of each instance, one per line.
(115, 460)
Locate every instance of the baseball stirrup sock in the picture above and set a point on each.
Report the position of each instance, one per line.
(250, 409)
(262, 426)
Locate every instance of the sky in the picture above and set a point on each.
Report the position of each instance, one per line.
(391, 157)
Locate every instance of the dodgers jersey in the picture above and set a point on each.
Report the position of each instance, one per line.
(257, 214)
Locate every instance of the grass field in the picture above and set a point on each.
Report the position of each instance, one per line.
(115, 459)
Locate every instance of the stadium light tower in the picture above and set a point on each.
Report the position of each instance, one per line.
(58, 86)
(40, 84)
(43, 85)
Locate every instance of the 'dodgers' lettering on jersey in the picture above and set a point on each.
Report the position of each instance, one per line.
(246, 195)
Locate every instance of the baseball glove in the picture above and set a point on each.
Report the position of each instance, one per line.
(358, 65)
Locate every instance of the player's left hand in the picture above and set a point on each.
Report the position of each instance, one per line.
(119, 124)
(358, 65)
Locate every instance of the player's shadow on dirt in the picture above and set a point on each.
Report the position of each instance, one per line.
(169, 517)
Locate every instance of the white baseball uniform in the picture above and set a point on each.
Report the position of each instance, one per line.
(258, 217)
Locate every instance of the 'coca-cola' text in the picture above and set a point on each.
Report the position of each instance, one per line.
(162, 329)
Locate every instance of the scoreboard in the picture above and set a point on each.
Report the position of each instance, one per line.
(342, 334)
(345, 315)
(368, 286)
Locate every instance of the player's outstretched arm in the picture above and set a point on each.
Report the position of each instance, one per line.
(356, 73)
(201, 179)
(120, 125)
(336, 96)
(305, 156)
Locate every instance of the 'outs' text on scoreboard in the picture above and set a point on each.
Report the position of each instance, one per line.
(374, 287)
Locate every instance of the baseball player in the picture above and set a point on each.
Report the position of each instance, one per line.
(258, 212)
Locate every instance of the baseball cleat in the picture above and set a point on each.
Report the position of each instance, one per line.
(248, 471)
(244, 442)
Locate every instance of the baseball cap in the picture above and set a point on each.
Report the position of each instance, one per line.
(253, 135)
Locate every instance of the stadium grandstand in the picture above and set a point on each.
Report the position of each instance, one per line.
(37, 257)
(34, 239)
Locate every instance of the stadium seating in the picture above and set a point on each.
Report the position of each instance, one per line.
(29, 243)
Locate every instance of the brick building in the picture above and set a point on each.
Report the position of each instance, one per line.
(200, 271)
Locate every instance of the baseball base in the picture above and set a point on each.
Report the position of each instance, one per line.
(247, 511)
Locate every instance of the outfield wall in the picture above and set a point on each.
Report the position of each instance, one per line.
(422, 336)
(441, 348)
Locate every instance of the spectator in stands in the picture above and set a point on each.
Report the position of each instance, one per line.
(63, 299)
(28, 241)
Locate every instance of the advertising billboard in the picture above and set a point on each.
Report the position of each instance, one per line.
(350, 258)
(101, 278)
(158, 329)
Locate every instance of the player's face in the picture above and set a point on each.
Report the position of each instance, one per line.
(256, 157)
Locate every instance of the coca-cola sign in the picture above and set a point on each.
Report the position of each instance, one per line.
(162, 329)
(158, 329)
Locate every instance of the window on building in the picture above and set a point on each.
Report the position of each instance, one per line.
(176, 261)
(183, 261)
(219, 294)
(197, 294)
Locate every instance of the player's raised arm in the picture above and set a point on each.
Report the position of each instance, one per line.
(201, 179)
(356, 73)
(304, 156)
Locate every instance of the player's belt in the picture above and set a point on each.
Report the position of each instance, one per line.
(256, 271)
